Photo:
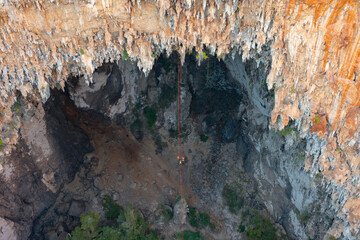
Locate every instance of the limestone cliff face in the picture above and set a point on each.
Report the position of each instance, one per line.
(315, 60)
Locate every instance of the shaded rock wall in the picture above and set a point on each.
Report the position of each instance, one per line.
(47, 156)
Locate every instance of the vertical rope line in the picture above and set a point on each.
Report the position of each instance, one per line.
(179, 158)
(178, 103)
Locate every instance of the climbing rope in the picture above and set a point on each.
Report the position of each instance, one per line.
(180, 158)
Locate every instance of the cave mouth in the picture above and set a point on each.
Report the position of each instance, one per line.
(130, 121)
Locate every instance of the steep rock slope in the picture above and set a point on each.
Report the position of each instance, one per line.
(315, 59)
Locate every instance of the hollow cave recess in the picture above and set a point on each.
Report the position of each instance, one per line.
(117, 137)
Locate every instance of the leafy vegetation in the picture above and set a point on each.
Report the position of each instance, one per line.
(245, 214)
(82, 51)
(131, 226)
(286, 131)
(12, 125)
(134, 227)
(258, 227)
(241, 228)
(16, 109)
(111, 208)
(199, 220)
(166, 213)
(151, 117)
(233, 198)
(177, 199)
(1, 145)
(125, 55)
(316, 119)
(262, 229)
(299, 158)
(205, 56)
(58, 86)
(136, 124)
(303, 216)
(203, 138)
(189, 235)
(89, 228)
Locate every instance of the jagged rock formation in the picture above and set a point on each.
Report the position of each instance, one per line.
(314, 71)
(220, 102)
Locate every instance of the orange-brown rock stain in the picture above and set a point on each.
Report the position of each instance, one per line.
(319, 125)
(339, 22)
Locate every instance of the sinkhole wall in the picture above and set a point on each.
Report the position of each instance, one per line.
(315, 47)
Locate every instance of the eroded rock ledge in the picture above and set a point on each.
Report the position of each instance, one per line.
(315, 59)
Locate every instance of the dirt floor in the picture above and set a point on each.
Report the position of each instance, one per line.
(131, 171)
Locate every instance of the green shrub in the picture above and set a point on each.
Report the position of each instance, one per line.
(233, 198)
(0, 145)
(204, 219)
(131, 227)
(212, 225)
(177, 199)
(12, 125)
(136, 124)
(110, 233)
(246, 213)
(193, 217)
(203, 138)
(111, 208)
(125, 55)
(134, 227)
(199, 220)
(166, 212)
(189, 235)
(262, 229)
(89, 228)
(286, 131)
(16, 109)
(132, 224)
(316, 119)
(241, 228)
(332, 238)
(304, 216)
(82, 51)
(151, 117)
